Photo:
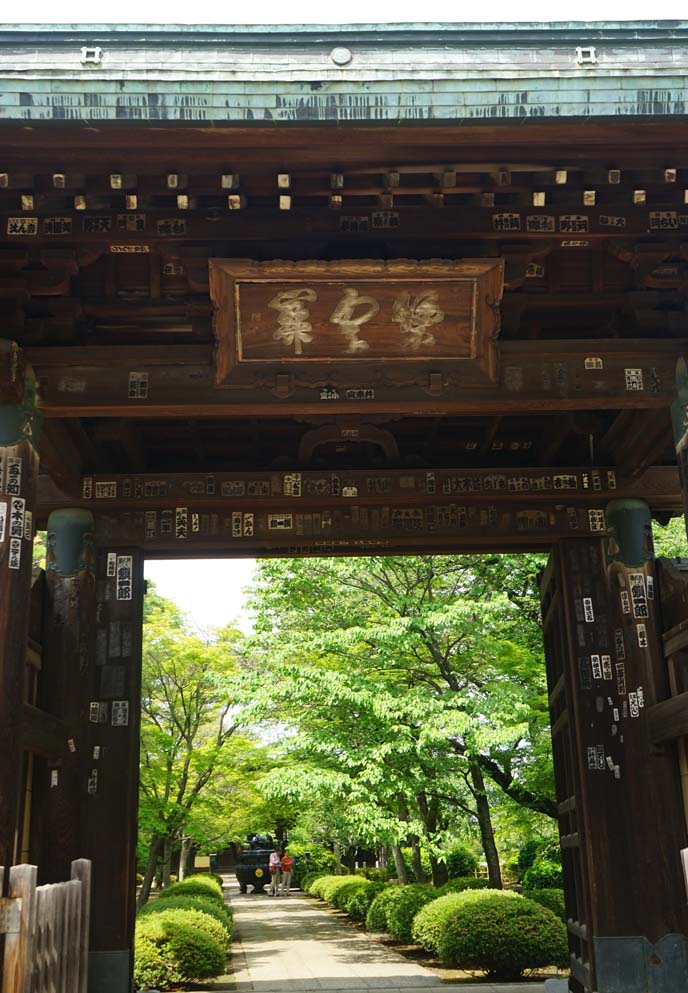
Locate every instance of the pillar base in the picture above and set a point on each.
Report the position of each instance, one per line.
(635, 965)
(109, 972)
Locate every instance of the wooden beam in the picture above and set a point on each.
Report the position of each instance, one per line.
(668, 720)
(534, 376)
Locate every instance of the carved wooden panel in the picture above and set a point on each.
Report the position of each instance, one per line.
(329, 323)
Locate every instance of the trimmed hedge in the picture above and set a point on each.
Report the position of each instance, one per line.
(461, 862)
(309, 878)
(462, 883)
(402, 911)
(552, 899)
(377, 916)
(543, 875)
(430, 921)
(344, 894)
(503, 937)
(195, 886)
(325, 883)
(175, 947)
(223, 914)
(360, 902)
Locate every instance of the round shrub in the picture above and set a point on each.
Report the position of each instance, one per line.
(168, 951)
(552, 899)
(343, 894)
(195, 886)
(322, 883)
(528, 854)
(380, 874)
(376, 918)
(461, 862)
(402, 911)
(223, 914)
(309, 878)
(550, 851)
(320, 859)
(361, 900)
(503, 937)
(431, 919)
(543, 875)
(462, 883)
(337, 885)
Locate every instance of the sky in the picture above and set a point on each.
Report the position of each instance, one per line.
(211, 591)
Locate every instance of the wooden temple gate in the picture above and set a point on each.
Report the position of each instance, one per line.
(169, 389)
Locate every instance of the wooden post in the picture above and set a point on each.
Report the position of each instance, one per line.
(81, 870)
(109, 826)
(17, 966)
(19, 433)
(69, 621)
(619, 798)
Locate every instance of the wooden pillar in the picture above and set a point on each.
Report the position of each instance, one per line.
(19, 434)
(679, 418)
(620, 804)
(68, 650)
(109, 830)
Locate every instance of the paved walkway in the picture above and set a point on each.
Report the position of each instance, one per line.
(293, 945)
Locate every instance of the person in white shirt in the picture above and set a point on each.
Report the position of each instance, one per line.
(275, 866)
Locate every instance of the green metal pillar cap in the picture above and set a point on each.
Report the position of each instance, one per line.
(629, 526)
(70, 545)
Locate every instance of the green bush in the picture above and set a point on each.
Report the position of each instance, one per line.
(461, 862)
(169, 950)
(223, 914)
(550, 851)
(376, 918)
(552, 899)
(380, 874)
(543, 875)
(528, 854)
(323, 883)
(195, 886)
(334, 886)
(462, 883)
(403, 910)
(343, 894)
(431, 919)
(503, 937)
(308, 880)
(511, 870)
(320, 859)
(361, 900)
(425, 864)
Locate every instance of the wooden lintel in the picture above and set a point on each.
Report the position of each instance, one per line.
(668, 720)
(43, 733)
(533, 377)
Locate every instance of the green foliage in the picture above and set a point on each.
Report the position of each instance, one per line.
(344, 894)
(309, 878)
(461, 861)
(550, 851)
(463, 883)
(339, 888)
(320, 859)
(402, 911)
(223, 913)
(503, 937)
(552, 899)
(377, 918)
(379, 874)
(327, 883)
(670, 541)
(175, 947)
(528, 854)
(195, 886)
(430, 921)
(360, 902)
(543, 875)
(425, 864)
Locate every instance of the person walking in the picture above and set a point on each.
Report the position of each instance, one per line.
(286, 866)
(274, 866)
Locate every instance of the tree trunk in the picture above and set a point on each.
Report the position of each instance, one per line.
(402, 874)
(418, 871)
(184, 854)
(440, 874)
(166, 862)
(485, 822)
(149, 875)
(382, 856)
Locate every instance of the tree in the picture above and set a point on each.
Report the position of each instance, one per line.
(188, 724)
(409, 681)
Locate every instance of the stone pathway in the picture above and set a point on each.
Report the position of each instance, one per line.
(293, 945)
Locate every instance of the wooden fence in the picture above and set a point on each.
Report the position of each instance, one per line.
(46, 931)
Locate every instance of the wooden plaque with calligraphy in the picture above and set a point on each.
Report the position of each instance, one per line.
(355, 323)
